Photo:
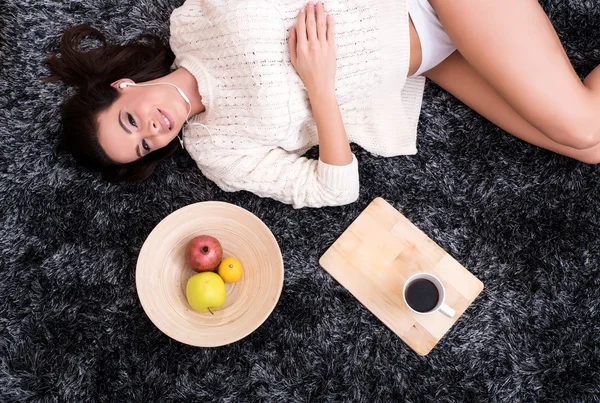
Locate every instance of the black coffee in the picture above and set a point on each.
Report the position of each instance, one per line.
(422, 295)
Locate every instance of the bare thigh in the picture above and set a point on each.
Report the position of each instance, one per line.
(513, 46)
(460, 79)
(416, 55)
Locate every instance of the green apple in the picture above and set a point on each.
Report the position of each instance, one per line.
(205, 291)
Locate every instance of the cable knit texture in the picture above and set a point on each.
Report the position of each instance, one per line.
(258, 122)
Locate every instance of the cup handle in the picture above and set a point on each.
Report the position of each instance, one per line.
(446, 310)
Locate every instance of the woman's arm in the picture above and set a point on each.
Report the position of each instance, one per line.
(312, 50)
(276, 173)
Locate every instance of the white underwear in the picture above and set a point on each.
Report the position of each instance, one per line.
(435, 43)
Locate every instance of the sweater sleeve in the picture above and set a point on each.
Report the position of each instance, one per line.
(278, 174)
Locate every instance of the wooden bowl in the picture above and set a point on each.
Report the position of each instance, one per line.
(162, 274)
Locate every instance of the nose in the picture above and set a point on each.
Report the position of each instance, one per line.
(159, 136)
(155, 127)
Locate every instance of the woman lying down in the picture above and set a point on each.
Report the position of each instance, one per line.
(248, 87)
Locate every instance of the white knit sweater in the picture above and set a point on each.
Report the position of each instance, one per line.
(258, 121)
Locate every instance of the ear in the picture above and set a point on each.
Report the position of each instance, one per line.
(122, 80)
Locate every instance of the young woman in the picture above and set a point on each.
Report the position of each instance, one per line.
(258, 84)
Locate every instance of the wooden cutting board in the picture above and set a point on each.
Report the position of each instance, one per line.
(374, 257)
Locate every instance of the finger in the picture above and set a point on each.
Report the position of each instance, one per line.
(321, 23)
(292, 44)
(301, 28)
(311, 23)
(330, 29)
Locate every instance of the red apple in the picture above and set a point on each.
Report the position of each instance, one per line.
(203, 253)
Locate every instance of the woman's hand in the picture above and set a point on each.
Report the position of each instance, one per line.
(312, 50)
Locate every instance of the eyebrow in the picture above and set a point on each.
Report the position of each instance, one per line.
(137, 147)
(122, 125)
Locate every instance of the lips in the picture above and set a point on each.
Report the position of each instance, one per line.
(166, 120)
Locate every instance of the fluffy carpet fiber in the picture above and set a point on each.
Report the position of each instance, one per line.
(523, 220)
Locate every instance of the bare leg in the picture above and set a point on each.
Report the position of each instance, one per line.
(416, 55)
(513, 46)
(457, 77)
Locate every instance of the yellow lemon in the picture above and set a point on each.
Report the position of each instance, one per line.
(230, 270)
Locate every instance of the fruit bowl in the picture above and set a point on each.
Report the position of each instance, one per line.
(162, 274)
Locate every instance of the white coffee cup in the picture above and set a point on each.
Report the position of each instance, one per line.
(440, 306)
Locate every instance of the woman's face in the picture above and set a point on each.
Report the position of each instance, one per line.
(143, 119)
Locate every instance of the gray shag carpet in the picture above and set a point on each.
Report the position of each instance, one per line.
(523, 220)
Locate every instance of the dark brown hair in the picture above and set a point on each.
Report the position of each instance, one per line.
(92, 71)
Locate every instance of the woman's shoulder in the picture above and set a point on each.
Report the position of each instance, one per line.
(226, 16)
(223, 25)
